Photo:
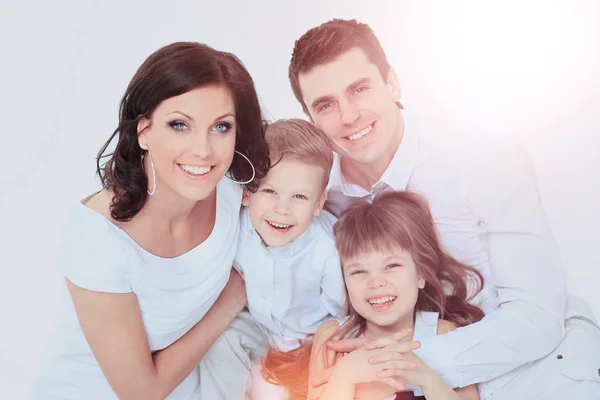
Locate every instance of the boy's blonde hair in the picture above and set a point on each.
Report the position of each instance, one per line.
(300, 140)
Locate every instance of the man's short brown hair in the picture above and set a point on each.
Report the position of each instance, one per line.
(327, 42)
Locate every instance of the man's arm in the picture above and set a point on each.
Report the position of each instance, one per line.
(526, 272)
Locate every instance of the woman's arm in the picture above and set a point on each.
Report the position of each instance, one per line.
(114, 329)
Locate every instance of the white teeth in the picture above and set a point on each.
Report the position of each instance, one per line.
(382, 300)
(280, 226)
(192, 169)
(361, 133)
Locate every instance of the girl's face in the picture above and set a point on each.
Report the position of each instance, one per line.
(191, 139)
(383, 288)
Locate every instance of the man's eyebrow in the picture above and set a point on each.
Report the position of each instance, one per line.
(320, 100)
(349, 89)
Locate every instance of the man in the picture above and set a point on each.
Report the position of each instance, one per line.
(487, 208)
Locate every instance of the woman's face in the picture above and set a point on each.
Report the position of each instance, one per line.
(191, 138)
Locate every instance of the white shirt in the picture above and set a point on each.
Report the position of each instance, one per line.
(487, 209)
(294, 288)
(173, 293)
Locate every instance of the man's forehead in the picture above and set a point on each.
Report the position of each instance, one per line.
(338, 74)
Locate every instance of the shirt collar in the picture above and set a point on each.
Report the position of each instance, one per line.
(396, 176)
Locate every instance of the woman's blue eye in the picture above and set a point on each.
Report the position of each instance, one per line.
(177, 125)
(222, 127)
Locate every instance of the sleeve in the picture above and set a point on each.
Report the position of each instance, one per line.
(333, 290)
(526, 272)
(93, 258)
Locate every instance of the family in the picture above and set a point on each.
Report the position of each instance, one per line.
(360, 253)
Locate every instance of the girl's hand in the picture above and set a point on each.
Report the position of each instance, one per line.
(357, 368)
(421, 375)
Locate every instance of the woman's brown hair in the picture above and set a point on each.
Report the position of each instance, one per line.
(171, 71)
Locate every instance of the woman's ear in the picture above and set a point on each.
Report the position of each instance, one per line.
(421, 282)
(142, 132)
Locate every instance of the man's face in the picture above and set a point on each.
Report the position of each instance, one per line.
(354, 106)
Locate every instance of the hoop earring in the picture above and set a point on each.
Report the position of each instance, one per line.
(151, 193)
(251, 166)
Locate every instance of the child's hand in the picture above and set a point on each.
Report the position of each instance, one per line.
(421, 375)
(356, 368)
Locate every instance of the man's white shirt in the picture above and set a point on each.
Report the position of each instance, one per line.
(485, 202)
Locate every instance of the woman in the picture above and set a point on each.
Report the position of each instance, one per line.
(147, 260)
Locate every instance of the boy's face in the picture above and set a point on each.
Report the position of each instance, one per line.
(354, 106)
(285, 202)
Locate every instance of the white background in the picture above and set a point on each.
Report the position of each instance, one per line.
(524, 68)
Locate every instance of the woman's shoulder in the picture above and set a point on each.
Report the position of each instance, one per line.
(93, 252)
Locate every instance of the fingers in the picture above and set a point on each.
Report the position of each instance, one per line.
(398, 386)
(314, 394)
(321, 378)
(346, 345)
(393, 368)
(386, 356)
(387, 341)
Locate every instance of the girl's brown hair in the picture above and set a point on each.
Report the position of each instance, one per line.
(394, 219)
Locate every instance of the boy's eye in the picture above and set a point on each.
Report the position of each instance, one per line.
(300, 196)
(269, 191)
(357, 271)
(361, 89)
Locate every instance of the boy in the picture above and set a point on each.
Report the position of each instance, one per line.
(286, 251)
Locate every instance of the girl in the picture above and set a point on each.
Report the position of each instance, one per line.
(398, 278)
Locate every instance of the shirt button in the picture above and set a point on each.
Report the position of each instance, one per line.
(559, 356)
(266, 253)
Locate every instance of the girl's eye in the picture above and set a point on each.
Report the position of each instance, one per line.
(390, 266)
(222, 127)
(269, 191)
(177, 125)
(300, 196)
